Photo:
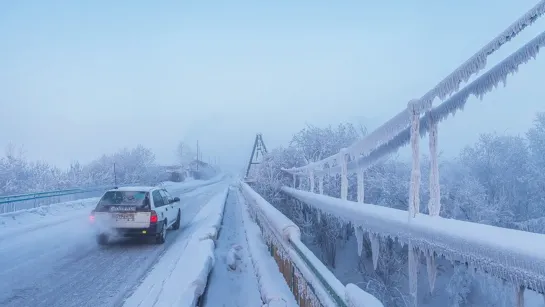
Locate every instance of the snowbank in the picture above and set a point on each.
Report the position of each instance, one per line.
(327, 288)
(29, 219)
(273, 287)
(280, 222)
(180, 276)
(509, 254)
(356, 297)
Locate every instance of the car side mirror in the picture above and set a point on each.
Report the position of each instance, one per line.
(176, 199)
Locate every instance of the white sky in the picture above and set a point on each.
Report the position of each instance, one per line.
(78, 79)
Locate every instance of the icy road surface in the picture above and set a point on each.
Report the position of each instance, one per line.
(62, 266)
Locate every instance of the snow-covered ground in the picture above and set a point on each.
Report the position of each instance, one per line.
(61, 265)
(233, 275)
(21, 221)
(180, 276)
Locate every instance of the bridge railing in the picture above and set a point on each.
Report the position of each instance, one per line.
(309, 279)
(482, 250)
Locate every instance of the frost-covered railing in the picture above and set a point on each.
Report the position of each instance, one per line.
(359, 151)
(512, 255)
(309, 279)
(409, 126)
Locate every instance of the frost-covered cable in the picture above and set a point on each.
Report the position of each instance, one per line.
(413, 273)
(478, 61)
(479, 87)
(447, 86)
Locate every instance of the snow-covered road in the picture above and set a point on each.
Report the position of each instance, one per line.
(61, 265)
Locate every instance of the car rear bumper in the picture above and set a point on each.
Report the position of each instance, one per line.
(151, 231)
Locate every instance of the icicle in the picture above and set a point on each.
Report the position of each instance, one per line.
(414, 190)
(300, 185)
(321, 184)
(520, 296)
(361, 190)
(434, 204)
(358, 231)
(294, 181)
(318, 216)
(344, 174)
(413, 273)
(311, 179)
(375, 248)
(431, 268)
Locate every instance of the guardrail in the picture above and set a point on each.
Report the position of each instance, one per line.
(12, 203)
(310, 281)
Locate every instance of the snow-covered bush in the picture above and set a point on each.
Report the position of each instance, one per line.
(18, 175)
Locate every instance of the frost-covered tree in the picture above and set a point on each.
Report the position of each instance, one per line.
(18, 175)
(499, 180)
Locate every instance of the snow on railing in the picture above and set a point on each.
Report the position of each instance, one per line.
(509, 254)
(446, 87)
(409, 126)
(319, 286)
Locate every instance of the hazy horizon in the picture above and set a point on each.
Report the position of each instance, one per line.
(80, 79)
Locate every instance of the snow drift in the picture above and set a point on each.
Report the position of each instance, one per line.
(180, 276)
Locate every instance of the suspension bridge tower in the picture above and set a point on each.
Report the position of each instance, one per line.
(258, 153)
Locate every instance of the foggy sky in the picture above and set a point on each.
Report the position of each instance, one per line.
(83, 78)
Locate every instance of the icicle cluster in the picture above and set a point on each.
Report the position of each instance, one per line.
(520, 296)
(431, 267)
(311, 179)
(344, 174)
(434, 205)
(358, 231)
(413, 273)
(414, 190)
(321, 184)
(360, 183)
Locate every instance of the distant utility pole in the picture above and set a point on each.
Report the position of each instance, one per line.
(197, 155)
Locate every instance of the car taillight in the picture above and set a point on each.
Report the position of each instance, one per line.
(153, 217)
(92, 216)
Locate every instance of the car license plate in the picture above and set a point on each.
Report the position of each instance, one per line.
(128, 217)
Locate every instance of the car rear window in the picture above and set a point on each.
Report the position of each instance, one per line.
(122, 198)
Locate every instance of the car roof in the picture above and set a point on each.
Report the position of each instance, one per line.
(136, 189)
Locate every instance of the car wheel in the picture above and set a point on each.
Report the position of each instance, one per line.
(162, 236)
(176, 225)
(102, 239)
